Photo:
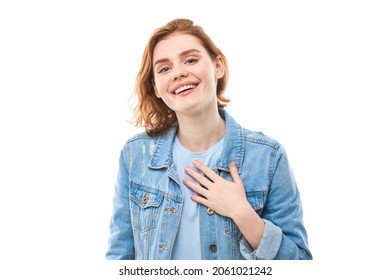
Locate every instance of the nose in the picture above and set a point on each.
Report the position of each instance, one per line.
(179, 73)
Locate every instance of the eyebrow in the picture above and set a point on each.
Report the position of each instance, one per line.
(183, 53)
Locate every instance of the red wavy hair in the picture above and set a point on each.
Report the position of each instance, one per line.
(151, 112)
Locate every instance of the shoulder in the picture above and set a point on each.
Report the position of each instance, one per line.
(138, 140)
(259, 138)
(139, 137)
(259, 146)
(254, 140)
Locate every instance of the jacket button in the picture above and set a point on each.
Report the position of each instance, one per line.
(210, 211)
(145, 199)
(213, 247)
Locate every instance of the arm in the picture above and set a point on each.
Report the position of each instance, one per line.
(284, 234)
(279, 233)
(121, 242)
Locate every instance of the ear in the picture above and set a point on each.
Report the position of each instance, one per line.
(219, 67)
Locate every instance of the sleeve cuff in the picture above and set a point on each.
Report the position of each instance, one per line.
(269, 245)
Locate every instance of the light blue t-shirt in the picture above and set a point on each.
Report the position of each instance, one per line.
(187, 244)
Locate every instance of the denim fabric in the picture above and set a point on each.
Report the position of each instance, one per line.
(148, 200)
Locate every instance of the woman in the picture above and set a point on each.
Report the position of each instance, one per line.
(197, 185)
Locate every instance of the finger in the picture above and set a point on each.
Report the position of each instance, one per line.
(195, 187)
(206, 170)
(198, 177)
(200, 199)
(234, 173)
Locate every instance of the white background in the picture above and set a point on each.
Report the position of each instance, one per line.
(312, 74)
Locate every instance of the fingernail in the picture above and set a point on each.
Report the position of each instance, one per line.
(196, 162)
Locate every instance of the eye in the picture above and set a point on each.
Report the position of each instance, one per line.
(191, 61)
(164, 69)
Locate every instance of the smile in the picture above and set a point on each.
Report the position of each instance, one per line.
(184, 88)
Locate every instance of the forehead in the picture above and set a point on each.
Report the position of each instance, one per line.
(175, 44)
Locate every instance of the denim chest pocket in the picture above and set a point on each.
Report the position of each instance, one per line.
(144, 207)
(256, 200)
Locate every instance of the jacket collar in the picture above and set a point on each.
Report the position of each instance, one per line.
(233, 148)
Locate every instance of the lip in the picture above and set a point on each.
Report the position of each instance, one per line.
(182, 85)
(185, 93)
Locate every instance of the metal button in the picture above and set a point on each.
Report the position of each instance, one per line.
(210, 211)
(213, 247)
(145, 199)
(163, 246)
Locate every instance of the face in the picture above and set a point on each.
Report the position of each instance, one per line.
(185, 76)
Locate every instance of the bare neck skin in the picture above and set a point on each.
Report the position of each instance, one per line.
(199, 132)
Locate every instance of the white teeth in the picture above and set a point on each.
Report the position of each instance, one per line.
(180, 89)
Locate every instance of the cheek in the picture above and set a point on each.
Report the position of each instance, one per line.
(212, 80)
(160, 85)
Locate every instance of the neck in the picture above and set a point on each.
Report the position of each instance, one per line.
(200, 132)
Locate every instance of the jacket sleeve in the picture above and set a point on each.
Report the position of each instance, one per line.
(284, 236)
(121, 242)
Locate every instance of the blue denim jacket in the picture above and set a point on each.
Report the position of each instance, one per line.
(148, 200)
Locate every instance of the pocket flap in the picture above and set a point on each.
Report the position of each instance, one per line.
(145, 199)
(256, 199)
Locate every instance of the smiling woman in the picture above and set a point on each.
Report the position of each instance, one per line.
(197, 185)
(183, 68)
(156, 116)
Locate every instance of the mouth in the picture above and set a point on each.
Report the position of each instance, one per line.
(184, 88)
